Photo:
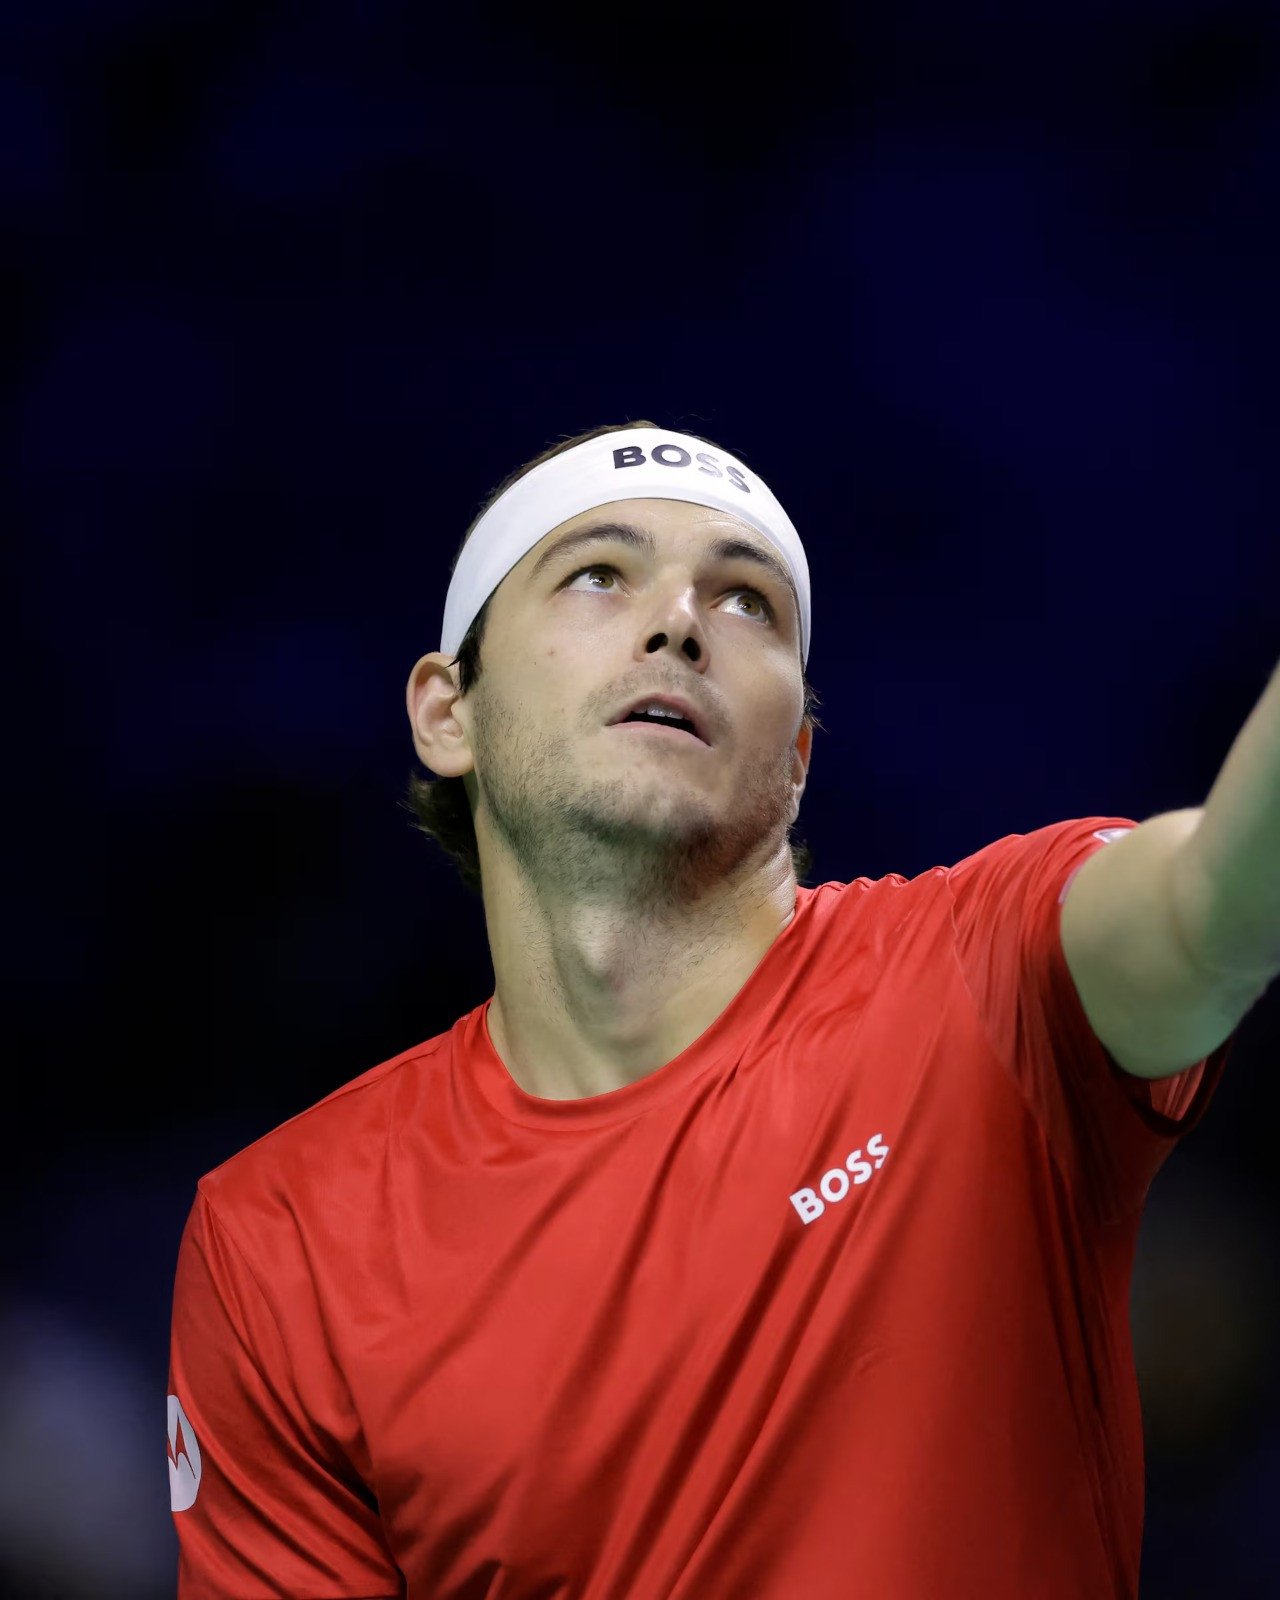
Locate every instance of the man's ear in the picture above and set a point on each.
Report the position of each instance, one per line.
(800, 765)
(437, 717)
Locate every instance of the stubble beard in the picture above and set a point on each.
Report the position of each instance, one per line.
(644, 838)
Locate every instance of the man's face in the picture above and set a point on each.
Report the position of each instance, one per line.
(579, 631)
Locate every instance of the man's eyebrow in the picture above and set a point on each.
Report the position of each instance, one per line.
(640, 539)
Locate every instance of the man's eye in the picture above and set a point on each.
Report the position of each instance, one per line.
(596, 567)
(760, 599)
(600, 566)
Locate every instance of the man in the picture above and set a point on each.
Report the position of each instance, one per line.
(750, 1240)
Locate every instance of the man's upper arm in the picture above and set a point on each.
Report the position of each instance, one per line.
(259, 1505)
(1123, 937)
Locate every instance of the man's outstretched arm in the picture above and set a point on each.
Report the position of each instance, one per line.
(1172, 932)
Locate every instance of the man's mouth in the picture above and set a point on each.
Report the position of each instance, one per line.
(663, 709)
(656, 730)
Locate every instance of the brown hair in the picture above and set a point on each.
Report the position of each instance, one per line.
(441, 806)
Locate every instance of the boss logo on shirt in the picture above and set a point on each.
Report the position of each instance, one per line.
(834, 1185)
(674, 455)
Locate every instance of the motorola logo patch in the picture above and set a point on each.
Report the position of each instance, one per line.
(184, 1458)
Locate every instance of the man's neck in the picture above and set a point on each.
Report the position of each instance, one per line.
(589, 998)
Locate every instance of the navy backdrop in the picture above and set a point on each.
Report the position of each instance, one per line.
(987, 294)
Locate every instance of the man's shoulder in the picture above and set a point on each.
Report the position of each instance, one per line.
(326, 1141)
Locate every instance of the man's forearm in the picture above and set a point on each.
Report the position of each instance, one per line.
(1233, 857)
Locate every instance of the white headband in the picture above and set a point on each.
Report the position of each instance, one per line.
(632, 464)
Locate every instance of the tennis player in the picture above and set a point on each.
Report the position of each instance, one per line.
(750, 1241)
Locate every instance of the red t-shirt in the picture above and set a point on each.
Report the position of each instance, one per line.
(835, 1302)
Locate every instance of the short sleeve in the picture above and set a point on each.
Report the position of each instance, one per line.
(263, 1506)
(1109, 1130)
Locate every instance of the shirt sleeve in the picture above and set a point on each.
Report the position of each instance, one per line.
(1109, 1130)
(263, 1505)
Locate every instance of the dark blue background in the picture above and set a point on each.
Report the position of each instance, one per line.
(988, 295)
